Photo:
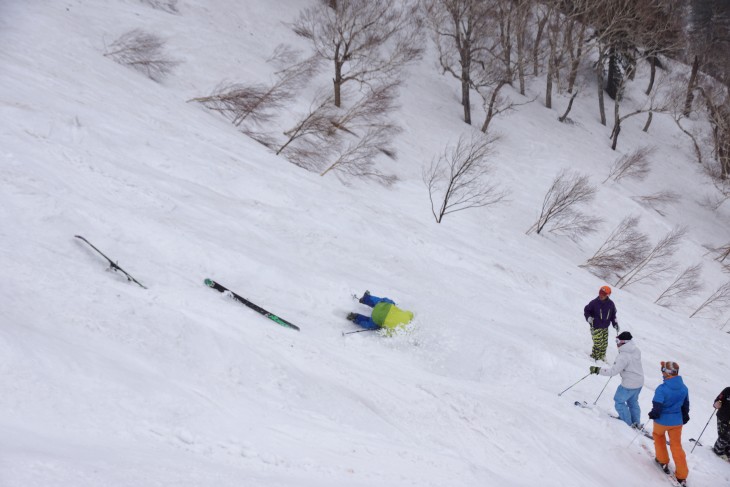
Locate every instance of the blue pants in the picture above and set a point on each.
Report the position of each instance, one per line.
(627, 404)
(366, 321)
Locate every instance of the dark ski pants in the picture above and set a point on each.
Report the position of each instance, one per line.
(722, 445)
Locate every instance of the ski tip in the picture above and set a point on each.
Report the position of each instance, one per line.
(208, 282)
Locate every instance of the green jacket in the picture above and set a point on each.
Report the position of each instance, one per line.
(390, 316)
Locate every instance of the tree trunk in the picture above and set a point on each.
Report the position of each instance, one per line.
(338, 82)
(492, 102)
(652, 73)
(648, 121)
(599, 83)
(616, 124)
(691, 86)
(465, 80)
(550, 74)
(536, 47)
(575, 64)
(570, 106)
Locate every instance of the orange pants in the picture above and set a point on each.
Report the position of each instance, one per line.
(675, 444)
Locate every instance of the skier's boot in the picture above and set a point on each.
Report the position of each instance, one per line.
(351, 317)
(663, 466)
(366, 294)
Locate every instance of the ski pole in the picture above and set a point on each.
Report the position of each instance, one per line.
(359, 331)
(703, 430)
(573, 384)
(641, 430)
(604, 388)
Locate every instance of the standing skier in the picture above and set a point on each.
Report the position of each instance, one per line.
(670, 412)
(385, 314)
(628, 365)
(722, 404)
(600, 313)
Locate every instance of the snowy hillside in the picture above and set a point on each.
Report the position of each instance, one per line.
(108, 384)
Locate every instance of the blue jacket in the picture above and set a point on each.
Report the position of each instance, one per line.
(603, 312)
(671, 403)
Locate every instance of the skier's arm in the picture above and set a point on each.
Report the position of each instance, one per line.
(618, 366)
(657, 404)
(685, 410)
(588, 311)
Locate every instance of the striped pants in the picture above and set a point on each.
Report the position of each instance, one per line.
(600, 343)
(722, 445)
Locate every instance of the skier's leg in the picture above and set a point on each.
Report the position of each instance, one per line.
(600, 343)
(660, 443)
(370, 300)
(678, 455)
(620, 399)
(633, 403)
(722, 445)
(365, 322)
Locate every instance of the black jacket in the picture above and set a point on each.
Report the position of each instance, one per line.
(724, 412)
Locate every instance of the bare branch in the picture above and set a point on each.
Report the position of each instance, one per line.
(143, 52)
(256, 103)
(458, 178)
(358, 158)
(634, 165)
(686, 284)
(719, 299)
(567, 190)
(623, 249)
(657, 262)
(657, 201)
(366, 40)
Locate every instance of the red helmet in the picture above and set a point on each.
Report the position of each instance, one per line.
(605, 290)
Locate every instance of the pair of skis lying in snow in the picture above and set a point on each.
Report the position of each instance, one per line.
(208, 282)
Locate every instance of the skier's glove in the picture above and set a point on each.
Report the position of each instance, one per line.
(615, 327)
(594, 369)
(685, 418)
(590, 320)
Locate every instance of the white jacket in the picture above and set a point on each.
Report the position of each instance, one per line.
(628, 364)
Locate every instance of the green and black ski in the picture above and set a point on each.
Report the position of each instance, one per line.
(222, 289)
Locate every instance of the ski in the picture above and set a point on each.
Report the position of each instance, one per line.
(692, 440)
(668, 474)
(224, 290)
(113, 265)
(583, 404)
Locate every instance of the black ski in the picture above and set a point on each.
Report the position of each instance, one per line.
(222, 289)
(692, 440)
(113, 265)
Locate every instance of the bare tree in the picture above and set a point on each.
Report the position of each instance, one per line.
(317, 125)
(458, 179)
(686, 284)
(660, 100)
(658, 261)
(622, 250)
(366, 40)
(567, 190)
(657, 201)
(459, 28)
(257, 102)
(143, 52)
(634, 165)
(358, 158)
(574, 224)
(719, 299)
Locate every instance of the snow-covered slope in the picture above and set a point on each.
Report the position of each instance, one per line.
(106, 383)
